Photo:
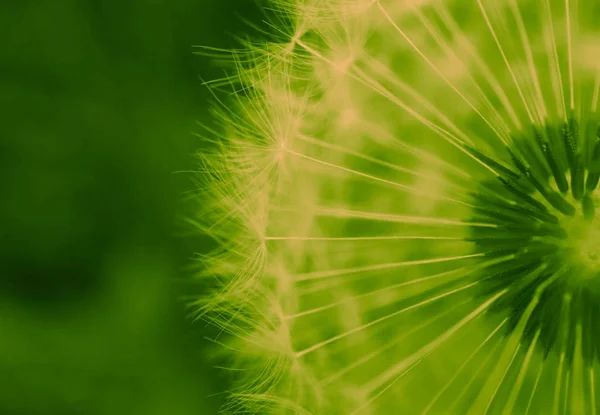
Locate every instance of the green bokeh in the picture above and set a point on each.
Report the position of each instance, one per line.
(100, 100)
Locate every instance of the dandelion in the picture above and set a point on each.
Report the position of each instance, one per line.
(404, 194)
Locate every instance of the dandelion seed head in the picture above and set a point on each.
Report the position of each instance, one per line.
(403, 195)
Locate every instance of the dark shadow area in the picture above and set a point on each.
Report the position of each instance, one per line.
(100, 100)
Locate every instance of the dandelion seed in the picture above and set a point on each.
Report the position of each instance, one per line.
(404, 195)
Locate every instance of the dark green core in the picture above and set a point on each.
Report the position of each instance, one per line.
(542, 207)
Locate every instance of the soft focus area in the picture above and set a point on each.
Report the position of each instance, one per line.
(100, 101)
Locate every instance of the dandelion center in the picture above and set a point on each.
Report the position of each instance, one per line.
(542, 212)
(589, 246)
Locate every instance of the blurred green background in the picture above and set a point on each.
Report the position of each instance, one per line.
(100, 100)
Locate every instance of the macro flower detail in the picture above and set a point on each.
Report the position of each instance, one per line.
(403, 194)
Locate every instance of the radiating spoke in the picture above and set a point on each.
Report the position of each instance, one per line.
(391, 166)
(455, 29)
(564, 324)
(512, 344)
(362, 238)
(439, 73)
(461, 368)
(387, 217)
(567, 391)
(382, 319)
(570, 54)
(508, 366)
(456, 400)
(507, 63)
(534, 388)
(396, 372)
(368, 81)
(596, 92)
(377, 267)
(529, 57)
(512, 398)
(555, 56)
(456, 273)
(409, 189)
(558, 384)
(454, 55)
(359, 362)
